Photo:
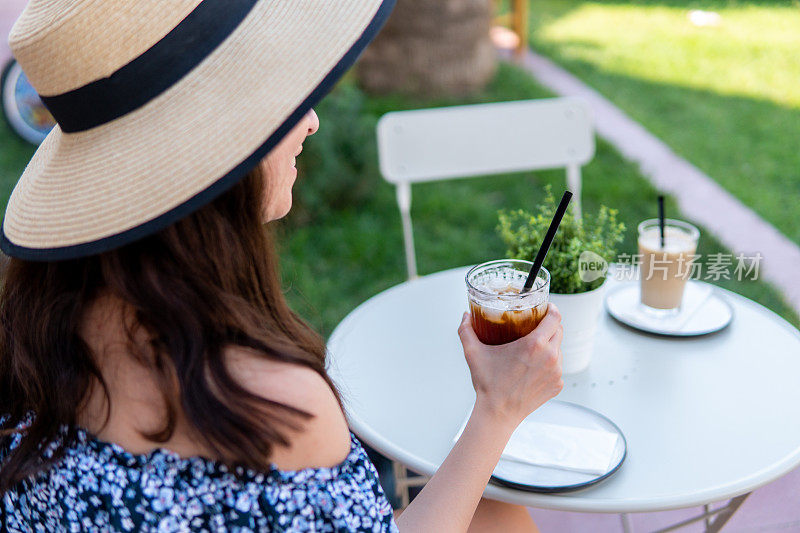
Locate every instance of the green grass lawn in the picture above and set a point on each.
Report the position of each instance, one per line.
(14, 155)
(334, 259)
(727, 98)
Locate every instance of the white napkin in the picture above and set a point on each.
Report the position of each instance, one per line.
(555, 446)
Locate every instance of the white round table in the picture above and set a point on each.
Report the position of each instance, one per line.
(705, 418)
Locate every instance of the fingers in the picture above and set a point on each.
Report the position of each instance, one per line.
(548, 326)
(555, 345)
(558, 334)
(552, 352)
(467, 334)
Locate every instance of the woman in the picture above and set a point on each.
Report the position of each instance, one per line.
(151, 373)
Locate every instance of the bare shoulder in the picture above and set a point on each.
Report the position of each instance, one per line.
(324, 440)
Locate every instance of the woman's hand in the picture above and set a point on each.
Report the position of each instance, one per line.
(512, 380)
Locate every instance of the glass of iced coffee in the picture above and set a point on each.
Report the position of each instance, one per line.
(500, 314)
(665, 266)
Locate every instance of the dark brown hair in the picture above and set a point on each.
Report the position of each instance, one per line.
(205, 283)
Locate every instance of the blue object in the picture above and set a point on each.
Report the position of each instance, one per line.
(22, 108)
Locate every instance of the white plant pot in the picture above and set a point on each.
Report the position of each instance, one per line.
(580, 316)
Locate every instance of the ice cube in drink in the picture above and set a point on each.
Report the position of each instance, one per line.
(500, 312)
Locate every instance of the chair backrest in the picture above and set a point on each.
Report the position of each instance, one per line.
(475, 140)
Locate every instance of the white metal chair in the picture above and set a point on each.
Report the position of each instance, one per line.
(475, 140)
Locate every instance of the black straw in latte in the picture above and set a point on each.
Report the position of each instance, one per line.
(661, 218)
(548, 240)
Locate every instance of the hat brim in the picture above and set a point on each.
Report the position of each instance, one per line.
(88, 192)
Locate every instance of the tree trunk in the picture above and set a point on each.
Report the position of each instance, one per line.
(431, 48)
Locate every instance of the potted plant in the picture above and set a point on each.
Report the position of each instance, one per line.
(578, 261)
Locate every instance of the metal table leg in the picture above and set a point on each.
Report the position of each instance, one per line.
(627, 525)
(714, 518)
(726, 514)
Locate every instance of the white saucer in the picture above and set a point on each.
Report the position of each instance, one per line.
(703, 310)
(533, 478)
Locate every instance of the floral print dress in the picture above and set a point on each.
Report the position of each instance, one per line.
(98, 486)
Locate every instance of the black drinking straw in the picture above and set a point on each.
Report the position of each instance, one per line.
(661, 218)
(548, 240)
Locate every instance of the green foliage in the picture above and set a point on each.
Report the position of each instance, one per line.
(14, 155)
(523, 232)
(339, 163)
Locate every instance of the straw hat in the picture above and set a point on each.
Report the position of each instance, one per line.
(162, 105)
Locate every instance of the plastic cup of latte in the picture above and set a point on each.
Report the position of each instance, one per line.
(665, 269)
(500, 314)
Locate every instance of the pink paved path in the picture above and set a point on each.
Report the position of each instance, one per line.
(775, 507)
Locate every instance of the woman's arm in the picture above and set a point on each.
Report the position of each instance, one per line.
(510, 381)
